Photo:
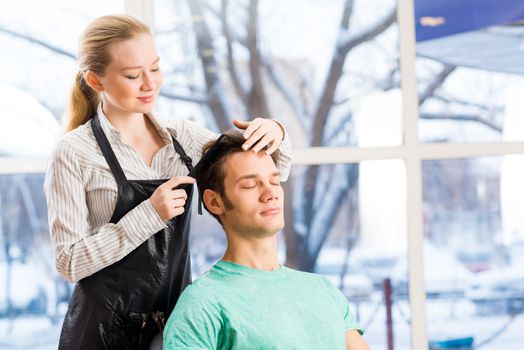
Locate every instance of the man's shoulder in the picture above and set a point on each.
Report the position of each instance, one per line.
(203, 288)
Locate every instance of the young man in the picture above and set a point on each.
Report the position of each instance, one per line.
(248, 300)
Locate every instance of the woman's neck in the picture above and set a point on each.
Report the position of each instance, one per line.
(126, 123)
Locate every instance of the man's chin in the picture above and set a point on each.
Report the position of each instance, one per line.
(271, 231)
(265, 232)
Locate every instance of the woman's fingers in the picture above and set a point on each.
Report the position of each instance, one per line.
(240, 124)
(167, 200)
(253, 127)
(263, 142)
(178, 180)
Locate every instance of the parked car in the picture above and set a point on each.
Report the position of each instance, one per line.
(377, 265)
(477, 258)
(500, 290)
(444, 274)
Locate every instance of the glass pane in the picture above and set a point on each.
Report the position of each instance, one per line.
(300, 62)
(469, 69)
(39, 42)
(354, 232)
(474, 240)
(351, 230)
(33, 298)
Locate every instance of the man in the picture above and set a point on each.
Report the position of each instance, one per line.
(248, 300)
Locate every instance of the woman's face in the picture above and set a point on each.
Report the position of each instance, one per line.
(133, 79)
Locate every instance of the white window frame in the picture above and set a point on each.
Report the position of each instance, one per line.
(412, 152)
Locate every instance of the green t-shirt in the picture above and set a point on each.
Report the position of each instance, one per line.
(237, 307)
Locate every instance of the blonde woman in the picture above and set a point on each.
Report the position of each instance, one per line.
(118, 194)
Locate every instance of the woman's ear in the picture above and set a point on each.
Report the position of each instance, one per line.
(213, 202)
(93, 81)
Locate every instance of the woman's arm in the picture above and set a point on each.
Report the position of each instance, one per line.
(354, 341)
(79, 251)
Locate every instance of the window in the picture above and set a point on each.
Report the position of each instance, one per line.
(38, 41)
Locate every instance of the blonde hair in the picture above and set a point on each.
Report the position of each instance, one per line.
(94, 55)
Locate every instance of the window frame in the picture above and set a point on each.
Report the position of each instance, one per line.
(412, 152)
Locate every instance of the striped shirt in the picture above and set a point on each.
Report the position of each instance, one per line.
(81, 192)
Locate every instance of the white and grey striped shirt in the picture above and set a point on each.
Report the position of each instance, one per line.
(81, 193)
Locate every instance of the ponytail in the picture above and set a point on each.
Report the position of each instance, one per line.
(83, 103)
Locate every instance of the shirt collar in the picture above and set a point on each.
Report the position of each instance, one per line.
(109, 129)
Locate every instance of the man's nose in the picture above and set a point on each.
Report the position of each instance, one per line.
(270, 192)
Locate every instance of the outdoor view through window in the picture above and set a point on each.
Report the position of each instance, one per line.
(330, 72)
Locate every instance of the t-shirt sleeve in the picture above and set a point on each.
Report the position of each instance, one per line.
(350, 322)
(195, 323)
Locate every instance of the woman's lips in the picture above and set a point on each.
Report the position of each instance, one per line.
(146, 99)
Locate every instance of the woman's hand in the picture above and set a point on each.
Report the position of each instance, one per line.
(260, 133)
(169, 201)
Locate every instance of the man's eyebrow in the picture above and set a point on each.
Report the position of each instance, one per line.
(138, 67)
(254, 176)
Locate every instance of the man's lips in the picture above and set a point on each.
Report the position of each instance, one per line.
(271, 211)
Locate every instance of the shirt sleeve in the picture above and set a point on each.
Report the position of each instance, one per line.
(284, 157)
(195, 323)
(80, 252)
(349, 320)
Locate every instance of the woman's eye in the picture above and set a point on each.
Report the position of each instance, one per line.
(155, 69)
(132, 76)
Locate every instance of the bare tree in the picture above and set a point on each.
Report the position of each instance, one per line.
(316, 214)
(317, 197)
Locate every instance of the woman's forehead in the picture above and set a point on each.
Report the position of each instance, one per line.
(136, 52)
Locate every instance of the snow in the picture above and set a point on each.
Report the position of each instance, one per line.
(60, 22)
(23, 115)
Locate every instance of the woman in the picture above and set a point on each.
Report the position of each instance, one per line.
(117, 195)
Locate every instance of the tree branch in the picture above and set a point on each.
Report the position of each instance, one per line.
(496, 109)
(216, 99)
(230, 55)
(438, 80)
(257, 102)
(285, 90)
(347, 119)
(195, 99)
(38, 42)
(369, 33)
(462, 117)
(346, 14)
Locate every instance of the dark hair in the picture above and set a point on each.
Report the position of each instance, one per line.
(210, 173)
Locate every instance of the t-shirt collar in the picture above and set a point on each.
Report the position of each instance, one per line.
(234, 268)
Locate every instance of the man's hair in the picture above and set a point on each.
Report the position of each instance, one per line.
(211, 172)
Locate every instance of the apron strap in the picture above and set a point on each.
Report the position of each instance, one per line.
(107, 151)
(189, 164)
(183, 155)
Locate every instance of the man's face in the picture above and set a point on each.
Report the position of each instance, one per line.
(252, 186)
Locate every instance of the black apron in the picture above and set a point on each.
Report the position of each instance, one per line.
(124, 305)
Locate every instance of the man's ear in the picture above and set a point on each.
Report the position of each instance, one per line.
(93, 81)
(213, 202)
